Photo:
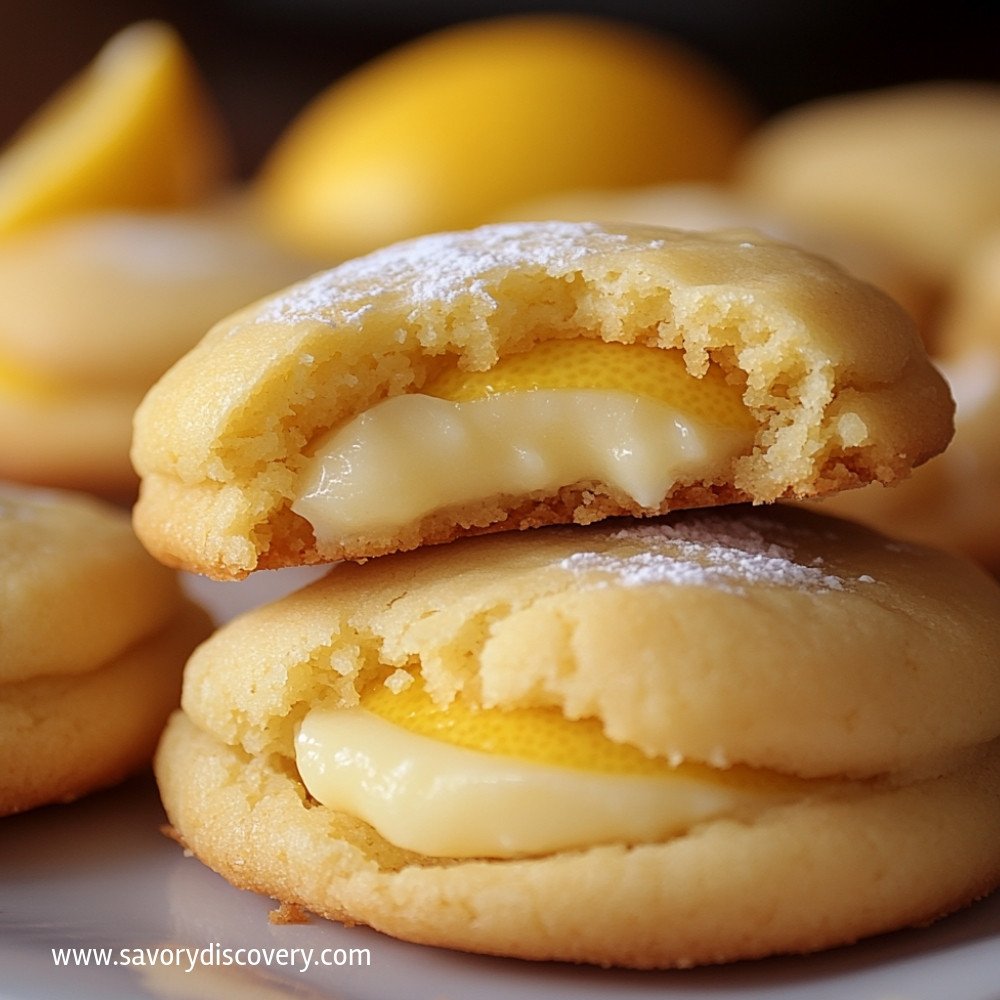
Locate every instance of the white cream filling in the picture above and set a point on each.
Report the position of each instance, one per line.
(413, 454)
(443, 800)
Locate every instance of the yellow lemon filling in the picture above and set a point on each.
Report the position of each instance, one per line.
(651, 372)
(566, 412)
(463, 781)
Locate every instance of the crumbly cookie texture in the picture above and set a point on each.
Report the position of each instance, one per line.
(831, 370)
(93, 638)
(951, 502)
(676, 635)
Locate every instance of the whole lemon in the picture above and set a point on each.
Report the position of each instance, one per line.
(445, 131)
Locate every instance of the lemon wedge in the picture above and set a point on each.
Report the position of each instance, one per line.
(135, 129)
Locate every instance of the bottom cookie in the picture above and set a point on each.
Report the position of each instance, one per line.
(716, 736)
(802, 877)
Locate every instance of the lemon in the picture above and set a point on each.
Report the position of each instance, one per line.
(444, 132)
(546, 736)
(133, 130)
(653, 372)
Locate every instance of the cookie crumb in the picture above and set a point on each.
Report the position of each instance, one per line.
(288, 913)
(398, 681)
(170, 832)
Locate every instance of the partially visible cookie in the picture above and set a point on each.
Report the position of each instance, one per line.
(712, 736)
(915, 168)
(93, 637)
(954, 500)
(972, 319)
(93, 309)
(524, 374)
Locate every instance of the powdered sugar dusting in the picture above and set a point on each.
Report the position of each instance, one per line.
(717, 552)
(440, 267)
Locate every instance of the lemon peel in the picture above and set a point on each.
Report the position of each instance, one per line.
(652, 372)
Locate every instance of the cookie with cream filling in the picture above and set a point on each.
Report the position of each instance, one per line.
(525, 374)
(93, 637)
(93, 309)
(711, 736)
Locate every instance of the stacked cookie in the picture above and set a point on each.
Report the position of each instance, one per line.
(669, 725)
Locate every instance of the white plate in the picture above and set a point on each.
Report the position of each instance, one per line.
(99, 874)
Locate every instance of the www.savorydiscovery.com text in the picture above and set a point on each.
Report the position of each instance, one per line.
(213, 956)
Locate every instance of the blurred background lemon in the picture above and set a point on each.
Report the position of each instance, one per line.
(443, 133)
(134, 129)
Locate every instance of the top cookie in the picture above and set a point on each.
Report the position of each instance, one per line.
(524, 374)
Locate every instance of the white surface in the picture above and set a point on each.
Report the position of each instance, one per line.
(99, 873)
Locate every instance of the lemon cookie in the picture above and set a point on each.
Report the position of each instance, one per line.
(915, 168)
(93, 637)
(524, 374)
(716, 735)
(93, 309)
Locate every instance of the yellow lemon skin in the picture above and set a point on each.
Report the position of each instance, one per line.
(542, 735)
(446, 131)
(546, 736)
(653, 372)
(135, 129)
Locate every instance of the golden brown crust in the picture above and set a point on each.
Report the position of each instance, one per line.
(836, 377)
(774, 637)
(811, 875)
